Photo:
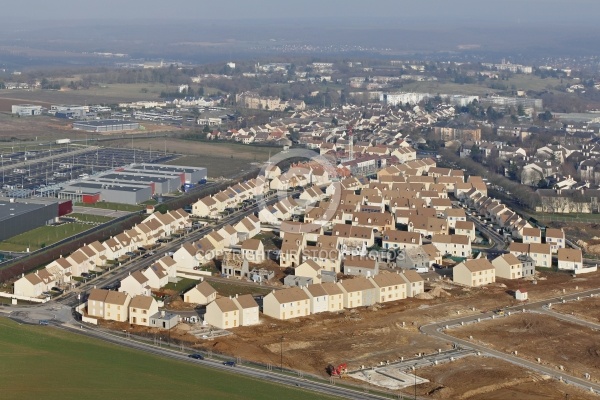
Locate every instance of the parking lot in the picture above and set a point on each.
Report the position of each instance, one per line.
(43, 172)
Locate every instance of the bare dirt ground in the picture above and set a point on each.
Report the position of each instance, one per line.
(532, 335)
(28, 128)
(370, 335)
(586, 309)
(485, 378)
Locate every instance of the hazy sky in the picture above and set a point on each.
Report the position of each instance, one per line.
(467, 11)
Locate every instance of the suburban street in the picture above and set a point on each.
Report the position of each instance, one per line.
(438, 330)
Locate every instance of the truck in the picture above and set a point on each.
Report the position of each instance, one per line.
(63, 141)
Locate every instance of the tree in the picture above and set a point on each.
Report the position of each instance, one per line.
(334, 121)
(545, 116)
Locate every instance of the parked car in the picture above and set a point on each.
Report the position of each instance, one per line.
(196, 356)
(57, 289)
(229, 363)
(43, 322)
(130, 254)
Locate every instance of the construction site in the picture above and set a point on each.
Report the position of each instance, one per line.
(379, 345)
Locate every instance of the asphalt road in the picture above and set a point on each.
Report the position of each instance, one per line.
(121, 272)
(437, 330)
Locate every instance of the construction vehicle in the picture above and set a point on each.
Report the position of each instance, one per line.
(499, 312)
(338, 371)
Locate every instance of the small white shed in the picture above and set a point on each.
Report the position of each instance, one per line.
(521, 294)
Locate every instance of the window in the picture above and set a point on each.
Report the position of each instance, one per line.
(133, 310)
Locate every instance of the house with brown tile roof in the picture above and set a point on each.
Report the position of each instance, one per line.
(390, 287)
(141, 308)
(358, 292)
(570, 259)
(248, 309)
(474, 273)
(202, 294)
(286, 304)
(136, 283)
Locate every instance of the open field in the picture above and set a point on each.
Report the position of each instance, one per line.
(98, 219)
(112, 206)
(586, 309)
(221, 158)
(105, 94)
(556, 342)
(482, 378)
(65, 365)
(533, 82)
(44, 235)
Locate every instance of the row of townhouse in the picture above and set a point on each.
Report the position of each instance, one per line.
(347, 294)
(232, 312)
(541, 254)
(121, 307)
(95, 255)
(212, 206)
(194, 254)
(554, 237)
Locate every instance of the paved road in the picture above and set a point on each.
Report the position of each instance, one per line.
(119, 273)
(437, 330)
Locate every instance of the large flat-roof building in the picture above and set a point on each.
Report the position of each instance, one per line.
(106, 125)
(92, 192)
(26, 109)
(190, 174)
(17, 217)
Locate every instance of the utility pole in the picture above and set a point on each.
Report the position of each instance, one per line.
(415, 372)
(281, 361)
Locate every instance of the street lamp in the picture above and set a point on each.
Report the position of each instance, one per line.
(281, 361)
(415, 373)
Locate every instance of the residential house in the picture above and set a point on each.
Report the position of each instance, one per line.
(286, 304)
(390, 287)
(223, 313)
(474, 273)
(466, 228)
(361, 266)
(248, 309)
(136, 284)
(141, 308)
(414, 283)
(116, 306)
(570, 259)
(157, 276)
(400, 239)
(532, 235)
(456, 245)
(253, 251)
(319, 299)
(358, 292)
(202, 294)
(556, 239)
(508, 267)
(95, 302)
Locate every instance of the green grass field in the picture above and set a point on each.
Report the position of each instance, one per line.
(40, 362)
(231, 289)
(98, 219)
(44, 235)
(112, 206)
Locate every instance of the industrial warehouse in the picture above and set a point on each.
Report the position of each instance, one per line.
(133, 184)
(19, 216)
(106, 125)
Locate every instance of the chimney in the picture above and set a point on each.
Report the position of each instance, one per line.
(236, 295)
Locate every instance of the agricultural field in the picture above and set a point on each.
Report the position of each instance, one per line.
(221, 158)
(62, 366)
(556, 342)
(42, 237)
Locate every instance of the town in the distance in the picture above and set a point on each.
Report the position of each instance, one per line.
(350, 226)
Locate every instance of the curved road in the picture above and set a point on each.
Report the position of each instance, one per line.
(437, 330)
